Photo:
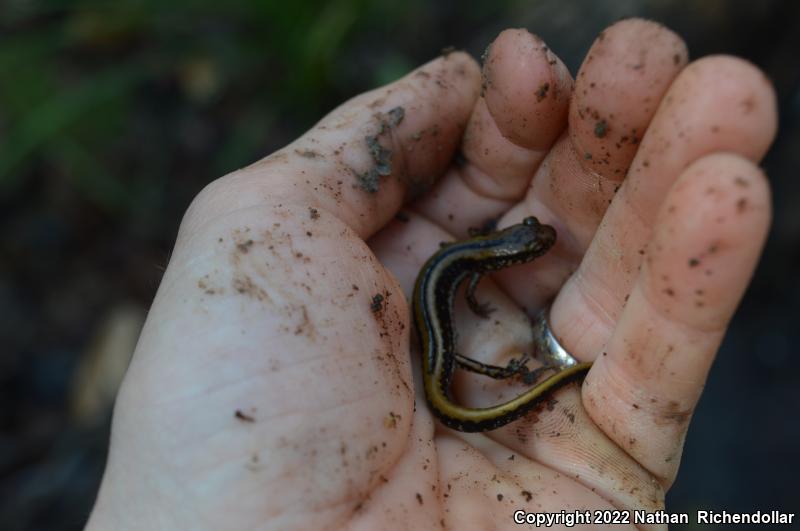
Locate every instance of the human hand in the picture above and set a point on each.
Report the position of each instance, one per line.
(271, 389)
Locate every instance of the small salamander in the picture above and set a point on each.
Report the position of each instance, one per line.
(434, 293)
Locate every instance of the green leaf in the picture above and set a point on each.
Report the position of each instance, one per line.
(54, 115)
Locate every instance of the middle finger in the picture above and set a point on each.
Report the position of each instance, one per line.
(617, 90)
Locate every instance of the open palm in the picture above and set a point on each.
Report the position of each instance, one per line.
(273, 385)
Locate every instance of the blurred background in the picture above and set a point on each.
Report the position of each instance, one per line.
(113, 115)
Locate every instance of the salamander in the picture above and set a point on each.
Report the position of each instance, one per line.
(434, 294)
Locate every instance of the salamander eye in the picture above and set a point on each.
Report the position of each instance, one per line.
(530, 221)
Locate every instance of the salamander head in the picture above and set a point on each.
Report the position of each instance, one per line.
(530, 238)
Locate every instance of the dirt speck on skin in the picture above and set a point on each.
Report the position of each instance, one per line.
(244, 247)
(242, 416)
(280, 156)
(396, 116)
(252, 464)
(601, 128)
(541, 93)
(447, 50)
(748, 104)
(486, 83)
(313, 213)
(550, 405)
(672, 414)
(391, 420)
(307, 153)
(244, 285)
(377, 103)
(369, 181)
(377, 303)
(305, 326)
(419, 498)
(203, 285)
(741, 204)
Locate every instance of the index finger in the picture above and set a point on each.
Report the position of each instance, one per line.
(366, 157)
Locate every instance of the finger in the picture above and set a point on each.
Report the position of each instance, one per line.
(365, 158)
(612, 107)
(709, 234)
(526, 91)
(625, 74)
(716, 104)
(527, 88)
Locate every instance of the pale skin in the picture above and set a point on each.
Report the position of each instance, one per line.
(268, 392)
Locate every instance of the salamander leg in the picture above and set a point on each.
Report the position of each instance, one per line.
(480, 309)
(531, 377)
(515, 366)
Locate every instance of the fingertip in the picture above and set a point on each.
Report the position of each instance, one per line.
(454, 77)
(652, 32)
(626, 72)
(461, 64)
(736, 89)
(527, 89)
(709, 235)
(730, 185)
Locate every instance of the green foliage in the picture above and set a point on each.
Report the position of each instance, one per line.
(91, 89)
(49, 116)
